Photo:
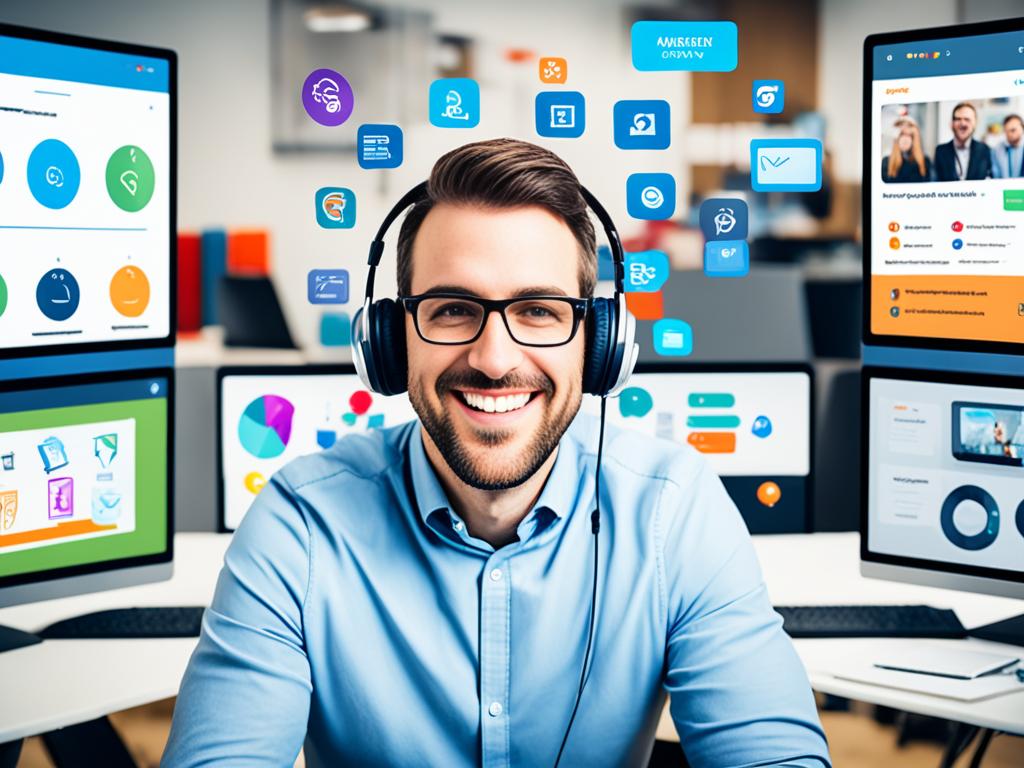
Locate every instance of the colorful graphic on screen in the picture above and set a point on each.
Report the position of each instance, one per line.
(266, 426)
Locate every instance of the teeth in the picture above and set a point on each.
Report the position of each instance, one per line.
(495, 404)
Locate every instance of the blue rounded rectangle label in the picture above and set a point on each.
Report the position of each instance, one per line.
(689, 46)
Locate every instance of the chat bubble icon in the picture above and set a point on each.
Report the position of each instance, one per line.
(635, 402)
(762, 427)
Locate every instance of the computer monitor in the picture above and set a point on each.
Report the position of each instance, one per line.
(268, 416)
(753, 422)
(943, 492)
(943, 194)
(85, 483)
(87, 194)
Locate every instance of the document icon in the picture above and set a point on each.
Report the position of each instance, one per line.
(786, 165)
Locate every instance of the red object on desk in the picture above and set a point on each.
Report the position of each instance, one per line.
(190, 285)
(248, 253)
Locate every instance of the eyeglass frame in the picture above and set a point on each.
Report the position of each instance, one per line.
(580, 307)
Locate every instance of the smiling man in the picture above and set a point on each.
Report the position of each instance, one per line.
(421, 595)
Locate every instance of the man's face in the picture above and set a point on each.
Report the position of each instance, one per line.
(1014, 129)
(963, 124)
(495, 254)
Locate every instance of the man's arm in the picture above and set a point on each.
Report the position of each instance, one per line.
(245, 696)
(740, 696)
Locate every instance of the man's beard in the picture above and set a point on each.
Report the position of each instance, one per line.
(477, 473)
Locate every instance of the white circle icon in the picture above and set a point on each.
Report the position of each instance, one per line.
(652, 197)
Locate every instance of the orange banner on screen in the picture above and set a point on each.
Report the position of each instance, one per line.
(713, 442)
(966, 307)
(59, 531)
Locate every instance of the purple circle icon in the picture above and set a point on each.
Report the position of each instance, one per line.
(327, 97)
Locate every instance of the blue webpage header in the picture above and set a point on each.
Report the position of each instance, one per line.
(34, 58)
(1000, 52)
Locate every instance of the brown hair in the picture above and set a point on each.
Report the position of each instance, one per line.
(960, 106)
(504, 173)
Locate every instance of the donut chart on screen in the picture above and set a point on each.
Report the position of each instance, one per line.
(984, 537)
(266, 426)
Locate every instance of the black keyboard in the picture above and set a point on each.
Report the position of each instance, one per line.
(870, 621)
(172, 621)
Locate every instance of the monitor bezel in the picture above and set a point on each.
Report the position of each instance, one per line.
(869, 373)
(171, 57)
(309, 369)
(107, 377)
(868, 180)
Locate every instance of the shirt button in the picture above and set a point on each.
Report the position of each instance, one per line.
(496, 576)
(495, 709)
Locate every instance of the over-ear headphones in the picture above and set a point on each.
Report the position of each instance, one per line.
(378, 329)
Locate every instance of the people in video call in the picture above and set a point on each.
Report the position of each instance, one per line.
(1008, 155)
(907, 161)
(963, 158)
(1001, 438)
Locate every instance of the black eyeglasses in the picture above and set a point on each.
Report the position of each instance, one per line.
(533, 321)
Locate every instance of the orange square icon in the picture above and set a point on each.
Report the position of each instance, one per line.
(553, 69)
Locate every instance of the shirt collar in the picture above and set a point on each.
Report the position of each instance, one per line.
(429, 495)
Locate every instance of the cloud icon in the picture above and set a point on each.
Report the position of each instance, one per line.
(636, 402)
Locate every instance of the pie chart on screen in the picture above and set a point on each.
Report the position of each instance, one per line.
(266, 426)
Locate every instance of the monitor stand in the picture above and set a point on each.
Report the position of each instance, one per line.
(11, 638)
(1009, 631)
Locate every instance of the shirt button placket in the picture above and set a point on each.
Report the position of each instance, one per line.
(494, 664)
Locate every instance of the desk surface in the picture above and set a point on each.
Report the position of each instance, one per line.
(61, 682)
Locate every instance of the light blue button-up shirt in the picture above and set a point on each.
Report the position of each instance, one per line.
(356, 613)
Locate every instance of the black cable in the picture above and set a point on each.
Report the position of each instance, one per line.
(595, 527)
(979, 753)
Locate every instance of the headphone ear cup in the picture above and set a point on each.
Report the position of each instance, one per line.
(390, 361)
(600, 346)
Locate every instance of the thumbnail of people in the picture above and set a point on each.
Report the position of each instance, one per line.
(963, 158)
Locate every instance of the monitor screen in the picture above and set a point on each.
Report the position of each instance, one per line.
(84, 474)
(753, 423)
(269, 416)
(944, 147)
(86, 194)
(945, 483)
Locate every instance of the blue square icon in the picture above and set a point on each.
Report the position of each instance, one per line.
(768, 96)
(335, 329)
(724, 218)
(454, 103)
(646, 271)
(651, 195)
(726, 258)
(672, 338)
(379, 146)
(328, 286)
(560, 114)
(335, 208)
(641, 124)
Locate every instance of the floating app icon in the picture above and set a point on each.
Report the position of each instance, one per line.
(726, 258)
(560, 114)
(254, 482)
(129, 291)
(672, 338)
(454, 103)
(61, 494)
(57, 294)
(694, 46)
(379, 146)
(328, 286)
(3, 295)
(327, 97)
(104, 448)
(52, 452)
(651, 196)
(7, 461)
(646, 271)
(8, 509)
(724, 218)
(635, 402)
(769, 493)
(130, 178)
(762, 427)
(553, 70)
(641, 124)
(53, 174)
(785, 165)
(335, 329)
(106, 504)
(335, 208)
(768, 96)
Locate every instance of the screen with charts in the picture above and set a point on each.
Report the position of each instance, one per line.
(269, 416)
(753, 423)
(944, 147)
(946, 480)
(86, 196)
(84, 468)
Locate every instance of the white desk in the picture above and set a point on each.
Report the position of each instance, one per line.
(62, 682)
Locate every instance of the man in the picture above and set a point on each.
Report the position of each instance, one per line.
(420, 595)
(1008, 155)
(963, 158)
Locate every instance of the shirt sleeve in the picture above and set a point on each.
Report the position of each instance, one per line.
(739, 693)
(245, 696)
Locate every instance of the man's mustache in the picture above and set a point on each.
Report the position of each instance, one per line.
(474, 379)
